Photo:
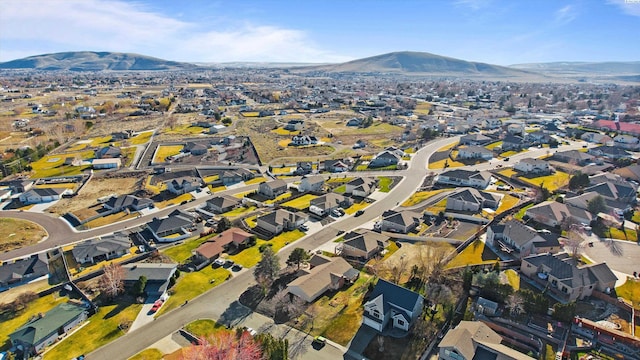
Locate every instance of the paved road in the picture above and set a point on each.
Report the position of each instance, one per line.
(622, 256)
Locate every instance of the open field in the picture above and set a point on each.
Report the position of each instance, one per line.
(17, 233)
(474, 254)
(96, 188)
(53, 165)
(141, 138)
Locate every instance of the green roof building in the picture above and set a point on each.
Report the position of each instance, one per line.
(45, 330)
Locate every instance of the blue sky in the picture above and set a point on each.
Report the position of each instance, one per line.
(492, 31)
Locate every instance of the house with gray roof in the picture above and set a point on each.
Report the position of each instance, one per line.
(43, 195)
(18, 271)
(565, 278)
(230, 177)
(361, 186)
(385, 158)
(459, 177)
(363, 244)
(473, 200)
(532, 166)
(311, 183)
(101, 249)
(45, 330)
(474, 340)
(272, 189)
(520, 240)
(281, 220)
(127, 202)
(222, 203)
(610, 152)
(474, 152)
(108, 152)
(176, 226)
(574, 157)
(399, 221)
(390, 306)
(553, 213)
(631, 172)
(325, 274)
(475, 139)
(158, 276)
(183, 185)
(324, 204)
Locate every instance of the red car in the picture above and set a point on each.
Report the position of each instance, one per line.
(156, 305)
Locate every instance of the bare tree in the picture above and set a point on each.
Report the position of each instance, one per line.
(112, 281)
(515, 303)
(574, 243)
(224, 345)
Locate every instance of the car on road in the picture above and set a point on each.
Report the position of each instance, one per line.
(359, 212)
(156, 305)
(506, 159)
(303, 227)
(319, 340)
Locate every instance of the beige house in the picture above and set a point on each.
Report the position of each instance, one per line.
(475, 340)
(325, 274)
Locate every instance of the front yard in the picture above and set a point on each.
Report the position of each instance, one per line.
(474, 254)
(550, 182)
(250, 256)
(300, 203)
(420, 196)
(192, 284)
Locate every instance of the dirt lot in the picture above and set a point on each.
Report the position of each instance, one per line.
(16, 233)
(92, 191)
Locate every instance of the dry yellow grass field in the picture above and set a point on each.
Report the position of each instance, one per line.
(95, 189)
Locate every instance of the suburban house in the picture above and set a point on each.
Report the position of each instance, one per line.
(597, 138)
(272, 189)
(475, 139)
(311, 184)
(45, 329)
(399, 221)
(393, 306)
(336, 166)
(629, 142)
(613, 187)
(23, 270)
(107, 152)
(294, 125)
(567, 280)
(323, 275)
(19, 186)
(106, 163)
(361, 186)
(474, 340)
(177, 226)
(385, 158)
(222, 203)
(183, 185)
(101, 249)
(631, 172)
(489, 124)
(612, 205)
(553, 213)
(354, 122)
(538, 137)
(158, 276)
(520, 240)
(362, 244)
(458, 177)
(470, 199)
(302, 140)
(532, 166)
(610, 152)
(323, 205)
(195, 148)
(127, 203)
(514, 142)
(280, 220)
(228, 240)
(230, 177)
(574, 157)
(43, 195)
(303, 168)
(474, 152)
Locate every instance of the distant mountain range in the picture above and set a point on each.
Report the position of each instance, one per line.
(405, 63)
(94, 61)
(422, 63)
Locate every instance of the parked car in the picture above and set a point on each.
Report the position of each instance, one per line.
(359, 212)
(236, 267)
(157, 305)
(303, 227)
(320, 340)
(218, 262)
(251, 331)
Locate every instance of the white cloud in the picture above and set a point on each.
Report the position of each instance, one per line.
(565, 15)
(473, 4)
(628, 7)
(33, 27)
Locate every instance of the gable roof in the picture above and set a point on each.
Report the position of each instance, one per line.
(403, 218)
(565, 269)
(467, 174)
(280, 216)
(152, 271)
(35, 266)
(46, 191)
(100, 246)
(323, 275)
(275, 184)
(126, 201)
(519, 233)
(396, 296)
(172, 222)
(224, 201)
(364, 240)
(474, 196)
(41, 328)
(327, 201)
(476, 340)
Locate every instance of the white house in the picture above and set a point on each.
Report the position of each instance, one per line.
(113, 163)
(474, 152)
(459, 177)
(311, 184)
(43, 195)
(534, 166)
(393, 306)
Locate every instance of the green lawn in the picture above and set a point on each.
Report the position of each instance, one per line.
(174, 201)
(420, 196)
(239, 211)
(628, 234)
(205, 327)
(53, 165)
(514, 278)
(182, 252)
(520, 214)
(355, 207)
(507, 203)
(441, 164)
(164, 151)
(340, 189)
(9, 325)
(101, 329)
(630, 291)
(141, 138)
(385, 183)
(300, 203)
(493, 145)
(476, 253)
(192, 284)
(551, 182)
(249, 257)
(148, 354)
